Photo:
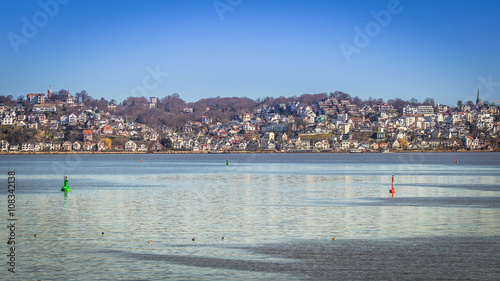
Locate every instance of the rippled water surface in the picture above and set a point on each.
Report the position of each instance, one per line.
(277, 213)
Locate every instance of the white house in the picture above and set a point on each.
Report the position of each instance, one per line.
(72, 119)
(130, 146)
(4, 145)
(87, 146)
(142, 148)
(64, 119)
(67, 146)
(77, 145)
(82, 118)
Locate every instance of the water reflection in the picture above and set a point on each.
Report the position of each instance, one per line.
(258, 199)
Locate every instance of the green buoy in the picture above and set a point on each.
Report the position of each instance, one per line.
(65, 188)
(227, 162)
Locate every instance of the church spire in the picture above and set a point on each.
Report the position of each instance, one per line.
(478, 99)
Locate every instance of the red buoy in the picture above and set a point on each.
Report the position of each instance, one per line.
(456, 161)
(392, 191)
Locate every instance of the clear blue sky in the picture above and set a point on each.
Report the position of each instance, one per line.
(251, 48)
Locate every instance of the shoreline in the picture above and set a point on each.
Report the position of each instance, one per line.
(232, 152)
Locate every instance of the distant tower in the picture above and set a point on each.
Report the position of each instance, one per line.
(49, 93)
(478, 99)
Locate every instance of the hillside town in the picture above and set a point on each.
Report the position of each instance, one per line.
(61, 122)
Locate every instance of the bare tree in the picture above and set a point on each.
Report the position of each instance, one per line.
(429, 101)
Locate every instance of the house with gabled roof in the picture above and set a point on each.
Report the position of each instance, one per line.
(82, 118)
(101, 146)
(77, 145)
(107, 130)
(53, 124)
(4, 145)
(7, 120)
(142, 148)
(396, 144)
(130, 146)
(246, 117)
(14, 148)
(48, 145)
(157, 146)
(32, 126)
(72, 119)
(63, 120)
(87, 146)
(42, 119)
(58, 135)
(322, 145)
(28, 146)
(67, 146)
(152, 136)
(87, 135)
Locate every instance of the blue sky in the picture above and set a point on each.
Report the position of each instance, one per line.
(445, 50)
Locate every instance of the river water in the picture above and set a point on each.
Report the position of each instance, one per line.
(278, 214)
